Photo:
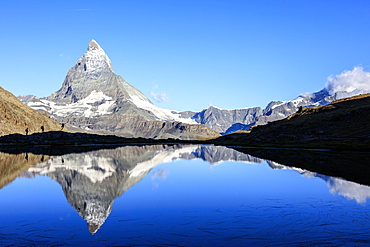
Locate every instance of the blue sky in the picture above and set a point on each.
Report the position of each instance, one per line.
(193, 53)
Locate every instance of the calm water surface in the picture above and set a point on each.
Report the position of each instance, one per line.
(163, 195)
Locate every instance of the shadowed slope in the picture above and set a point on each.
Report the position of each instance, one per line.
(343, 124)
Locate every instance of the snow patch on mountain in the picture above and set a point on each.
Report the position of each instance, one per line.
(95, 57)
(95, 104)
(161, 114)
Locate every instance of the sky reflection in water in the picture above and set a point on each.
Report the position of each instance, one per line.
(178, 195)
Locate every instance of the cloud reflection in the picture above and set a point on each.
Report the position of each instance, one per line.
(347, 189)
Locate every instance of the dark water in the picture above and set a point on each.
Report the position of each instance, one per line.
(175, 196)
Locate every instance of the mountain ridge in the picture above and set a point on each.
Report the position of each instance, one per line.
(95, 99)
(342, 124)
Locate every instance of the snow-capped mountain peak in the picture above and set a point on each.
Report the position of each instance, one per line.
(93, 45)
(93, 97)
(95, 58)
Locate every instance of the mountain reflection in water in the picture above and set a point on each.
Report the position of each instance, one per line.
(92, 180)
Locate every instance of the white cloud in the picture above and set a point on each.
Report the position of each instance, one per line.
(160, 97)
(354, 81)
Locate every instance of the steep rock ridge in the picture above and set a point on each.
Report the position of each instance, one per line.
(92, 180)
(343, 124)
(17, 117)
(228, 121)
(94, 98)
(93, 76)
(225, 120)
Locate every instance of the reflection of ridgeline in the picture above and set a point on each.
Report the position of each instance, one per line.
(347, 189)
(92, 180)
(216, 154)
(351, 166)
(12, 165)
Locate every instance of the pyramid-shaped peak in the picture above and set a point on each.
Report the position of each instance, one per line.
(93, 45)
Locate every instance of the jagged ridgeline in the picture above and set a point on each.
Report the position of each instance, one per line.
(94, 98)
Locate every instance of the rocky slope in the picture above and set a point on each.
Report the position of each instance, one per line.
(94, 98)
(17, 117)
(342, 124)
(228, 121)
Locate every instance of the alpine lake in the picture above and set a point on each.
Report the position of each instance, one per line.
(183, 195)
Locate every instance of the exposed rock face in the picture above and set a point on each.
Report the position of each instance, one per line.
(228, 121)
(92, 180)
(94, 98)
(17, 117)
(342, 124)
(93, 72)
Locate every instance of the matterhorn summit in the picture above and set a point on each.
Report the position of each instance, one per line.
(96, 58)
(94, 98)
(94, 72)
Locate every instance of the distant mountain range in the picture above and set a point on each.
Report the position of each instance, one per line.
(342, 124)
(228, 121)
(94, 98)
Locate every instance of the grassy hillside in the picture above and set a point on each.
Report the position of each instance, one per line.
(343, 124)
(16, 117)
